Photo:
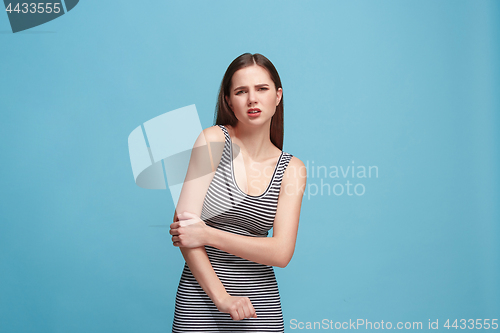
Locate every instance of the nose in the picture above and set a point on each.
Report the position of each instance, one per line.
(252, 97)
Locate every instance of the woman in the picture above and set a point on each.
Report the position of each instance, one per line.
(223, 215)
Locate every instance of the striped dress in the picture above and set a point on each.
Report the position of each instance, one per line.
(228, 208)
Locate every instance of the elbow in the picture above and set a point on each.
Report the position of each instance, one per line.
(283, 262)
(283, 259)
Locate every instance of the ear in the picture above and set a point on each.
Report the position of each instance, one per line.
(229, 103)
(279, 94)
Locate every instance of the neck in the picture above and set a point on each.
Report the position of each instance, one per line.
(256, 139)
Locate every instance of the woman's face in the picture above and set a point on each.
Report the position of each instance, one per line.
(253, 90)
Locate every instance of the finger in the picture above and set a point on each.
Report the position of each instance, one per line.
(246, 310)
(250, 309)
(178, 243)
(184, 223)
(240, 313)
(175, 225)
(187, 222)
(174, 232)
(234, 315)
(177, 239)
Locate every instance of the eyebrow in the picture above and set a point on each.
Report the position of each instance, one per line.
(257, 85)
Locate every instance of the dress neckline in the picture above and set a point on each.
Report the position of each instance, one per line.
(232, 170)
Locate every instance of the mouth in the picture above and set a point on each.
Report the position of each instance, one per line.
(254, 111)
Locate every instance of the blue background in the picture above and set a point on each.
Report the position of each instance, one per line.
(411, 87)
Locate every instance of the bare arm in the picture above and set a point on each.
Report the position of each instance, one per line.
(191, 199)
(199, 264)
(273, 251)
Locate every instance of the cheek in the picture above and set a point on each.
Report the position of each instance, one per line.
(240, 103)
(235, 102)
(272, 100)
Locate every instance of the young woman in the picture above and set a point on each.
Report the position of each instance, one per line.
(230, 200)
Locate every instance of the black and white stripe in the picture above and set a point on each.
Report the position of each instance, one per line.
(227, 208)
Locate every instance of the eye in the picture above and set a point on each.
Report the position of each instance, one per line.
(263, 88)
(238, 93)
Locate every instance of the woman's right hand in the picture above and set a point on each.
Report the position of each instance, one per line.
(238, 307)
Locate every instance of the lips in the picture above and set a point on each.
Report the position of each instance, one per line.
(253, 111)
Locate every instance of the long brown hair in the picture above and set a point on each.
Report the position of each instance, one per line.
(225, 116)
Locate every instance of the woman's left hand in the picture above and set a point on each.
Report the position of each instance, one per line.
(190, 231)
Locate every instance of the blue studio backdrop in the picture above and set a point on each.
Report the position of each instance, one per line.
(406, 90)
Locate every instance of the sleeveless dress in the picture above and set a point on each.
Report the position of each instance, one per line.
(227, 208)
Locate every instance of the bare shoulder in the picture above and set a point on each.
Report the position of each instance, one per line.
(295, 173)
(296, 168)
(210, 134)
(296, 162)
(214, 134)
(210, 146)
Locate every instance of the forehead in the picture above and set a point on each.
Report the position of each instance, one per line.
(251, 75)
